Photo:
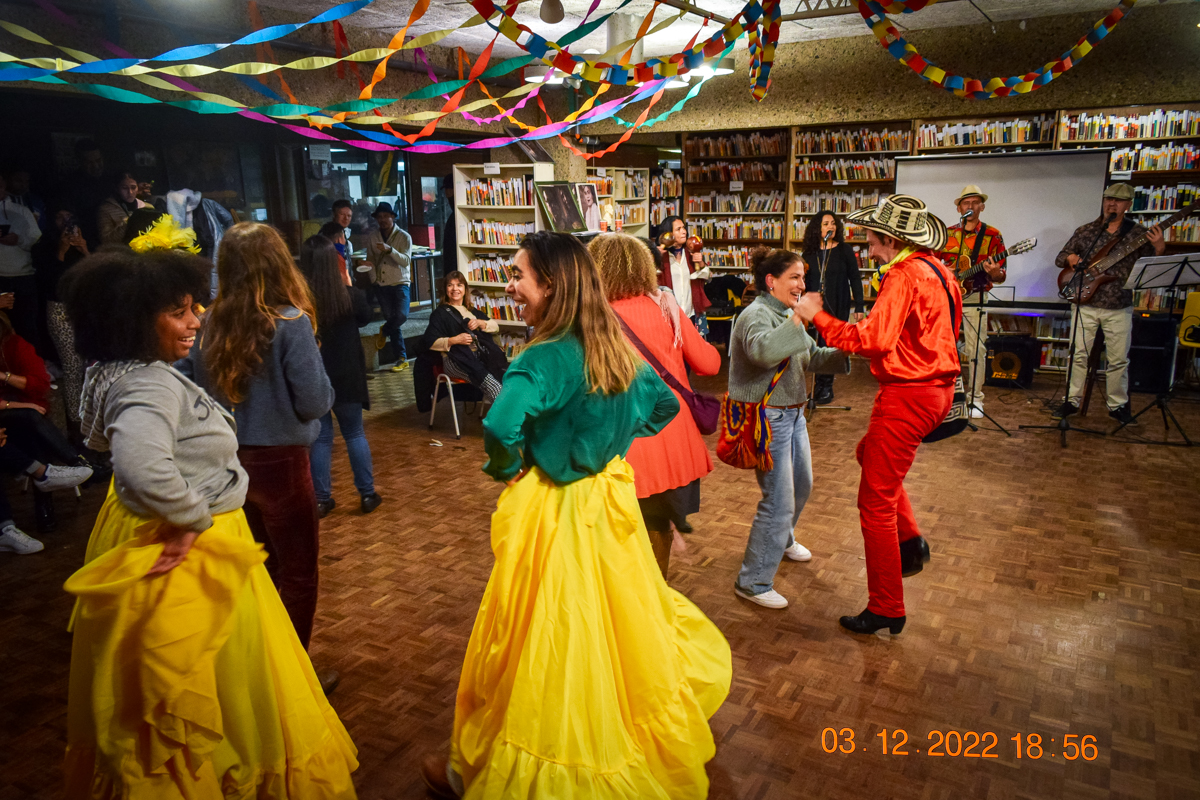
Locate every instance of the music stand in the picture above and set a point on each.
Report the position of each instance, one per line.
(979, 304)
(1165, 272)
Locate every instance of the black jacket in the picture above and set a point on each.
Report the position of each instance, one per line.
(445, 322)
(843, 282)
(342, 352)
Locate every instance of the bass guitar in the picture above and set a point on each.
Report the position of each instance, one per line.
(1080, 288)
(966, 271)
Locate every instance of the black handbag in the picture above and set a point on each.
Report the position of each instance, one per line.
(706, 411)
(957, 417)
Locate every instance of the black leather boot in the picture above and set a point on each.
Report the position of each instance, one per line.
(914, 555)
(869, 622)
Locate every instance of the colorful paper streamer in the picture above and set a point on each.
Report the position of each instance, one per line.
(972, 88)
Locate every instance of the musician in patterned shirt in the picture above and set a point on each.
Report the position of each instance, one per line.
(1111, 307)
(978, 241)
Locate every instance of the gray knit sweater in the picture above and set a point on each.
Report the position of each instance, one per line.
(765, 335)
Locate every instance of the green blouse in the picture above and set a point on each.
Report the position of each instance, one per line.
(545, 415)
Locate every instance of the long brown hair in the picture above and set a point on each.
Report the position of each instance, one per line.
(576, 306)
(321, 267)
(256, 276)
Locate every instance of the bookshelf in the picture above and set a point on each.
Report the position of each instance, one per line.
(493, 212)
(735, 192)
(666, 196)
(624, 194)
(1156, 149)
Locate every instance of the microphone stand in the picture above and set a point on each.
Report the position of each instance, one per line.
(823, 260)
(1064, 424)
(977, 327)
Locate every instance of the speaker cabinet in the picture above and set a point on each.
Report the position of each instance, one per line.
(1010, 361)
(1152, 346)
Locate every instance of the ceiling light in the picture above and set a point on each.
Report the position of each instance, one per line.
(552, 11)
(543, 74)
(677, 82)
(708, 69)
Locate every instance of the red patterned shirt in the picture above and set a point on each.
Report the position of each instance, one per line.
(993, 243)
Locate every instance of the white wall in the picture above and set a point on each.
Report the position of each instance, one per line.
(1044, 194)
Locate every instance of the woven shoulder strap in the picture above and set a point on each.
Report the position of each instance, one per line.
(782, 368)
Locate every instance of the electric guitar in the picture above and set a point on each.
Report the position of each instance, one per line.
(1079, 288)
(967, 271)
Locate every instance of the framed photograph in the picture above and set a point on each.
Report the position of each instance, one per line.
(557, 199)
(589, 204)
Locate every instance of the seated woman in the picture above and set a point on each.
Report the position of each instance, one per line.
(463, 335)
(24, 399)
(15, 461)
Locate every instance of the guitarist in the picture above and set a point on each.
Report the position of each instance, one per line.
(980, 242)
(1111, 307)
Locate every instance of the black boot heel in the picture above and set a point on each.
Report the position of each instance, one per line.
(914, 555)
(869, 622)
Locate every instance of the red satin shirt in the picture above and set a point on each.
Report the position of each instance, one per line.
(909, 336)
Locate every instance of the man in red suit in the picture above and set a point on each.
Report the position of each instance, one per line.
(911, 339)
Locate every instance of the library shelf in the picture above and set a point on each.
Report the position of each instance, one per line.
(496, 208)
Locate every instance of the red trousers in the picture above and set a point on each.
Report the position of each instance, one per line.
(281, 508)
(902, 416)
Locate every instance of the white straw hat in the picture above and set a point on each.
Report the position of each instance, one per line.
(902, 217)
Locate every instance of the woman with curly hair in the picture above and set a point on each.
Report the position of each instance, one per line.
(585, 676)
(187, 679)
(832, 271)
(257, 354)
(667, 467)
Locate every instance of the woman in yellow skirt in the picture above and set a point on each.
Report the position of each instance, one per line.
(187, 678)
(586, 676)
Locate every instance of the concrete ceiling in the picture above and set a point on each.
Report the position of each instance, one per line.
(388, 16)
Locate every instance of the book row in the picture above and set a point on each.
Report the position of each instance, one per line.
(1164, 198)
(754, 144)
(963, 134)
(516, 191)
(500, 307)
(661, 209)
(483, 231)
(849, 141)
(1169, 156)
(754, 171)
(1154, 125)
(838, 202)
(621, 184)
(667, 185)
(489, 268)
(846, 169)
(759, 202)
(729, 228)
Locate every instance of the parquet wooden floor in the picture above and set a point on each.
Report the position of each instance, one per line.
(1063, 599)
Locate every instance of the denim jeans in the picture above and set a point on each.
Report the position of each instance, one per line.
(349, 417)
(785, 490)
(394, 302)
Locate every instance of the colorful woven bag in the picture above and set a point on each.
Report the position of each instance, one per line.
(745, 434)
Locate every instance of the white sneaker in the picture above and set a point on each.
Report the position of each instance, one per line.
(976, 412)
(14, 540)
(798, 552)
(770, 598)
(57, 477)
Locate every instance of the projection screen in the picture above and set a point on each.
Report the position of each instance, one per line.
(1045, 194)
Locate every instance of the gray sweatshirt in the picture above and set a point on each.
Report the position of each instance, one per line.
(765, 335)
(174, 449)
(290, 393)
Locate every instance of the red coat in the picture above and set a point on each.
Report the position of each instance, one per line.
(18, 357)
(676, 455)
(909, 336)
(700, 300)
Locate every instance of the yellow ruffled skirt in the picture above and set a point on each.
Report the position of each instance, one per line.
(586, 675)
(193, 684)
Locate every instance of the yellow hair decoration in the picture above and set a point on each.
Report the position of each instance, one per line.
(164, 234)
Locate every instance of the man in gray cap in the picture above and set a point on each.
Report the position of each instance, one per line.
(1111, 307)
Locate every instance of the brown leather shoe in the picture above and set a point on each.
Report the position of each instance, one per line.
(433, 772)
(329, 679)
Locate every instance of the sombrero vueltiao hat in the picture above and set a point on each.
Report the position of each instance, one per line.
(902, 216)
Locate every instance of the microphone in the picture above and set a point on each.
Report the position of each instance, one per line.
(825, 238)
(1110, 218)
(965, 216)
